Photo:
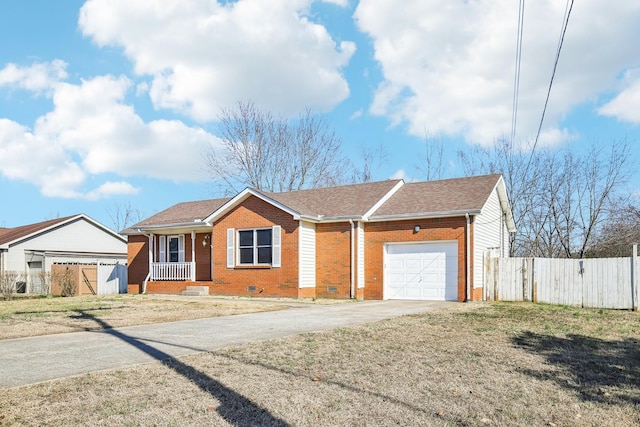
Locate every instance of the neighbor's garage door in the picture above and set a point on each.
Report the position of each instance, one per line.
(422, 271)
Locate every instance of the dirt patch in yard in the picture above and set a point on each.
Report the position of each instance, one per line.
(43, 316)
(469, 365)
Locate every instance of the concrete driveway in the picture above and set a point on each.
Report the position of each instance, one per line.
(32, 360)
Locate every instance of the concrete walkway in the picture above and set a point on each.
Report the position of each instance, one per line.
(32, 360)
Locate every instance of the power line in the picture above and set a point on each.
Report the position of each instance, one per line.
(568, 9)
(516, 79)
(555, 66)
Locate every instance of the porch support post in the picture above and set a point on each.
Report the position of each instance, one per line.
(193, 256)
(151, 255)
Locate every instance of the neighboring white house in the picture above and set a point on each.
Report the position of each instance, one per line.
(32, 249)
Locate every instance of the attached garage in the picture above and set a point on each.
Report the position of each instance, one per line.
(421, 271)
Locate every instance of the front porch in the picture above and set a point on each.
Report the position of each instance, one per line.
(161, 271)
(179, 257)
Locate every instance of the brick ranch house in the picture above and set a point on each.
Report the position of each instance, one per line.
(378, 240)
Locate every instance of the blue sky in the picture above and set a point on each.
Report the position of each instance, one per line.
(111, 103)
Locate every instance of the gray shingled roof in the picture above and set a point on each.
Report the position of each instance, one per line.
(181, 213)
(10, 234)
(347, 200)
(433, 197)
(415, 198)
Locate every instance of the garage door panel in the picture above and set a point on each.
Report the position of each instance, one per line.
(396, 264)
(396, 277)
(413, 264)
(432, 278)
(430, 294)
(395, 293)
(413, 279)
(427, 271)
(413, 293)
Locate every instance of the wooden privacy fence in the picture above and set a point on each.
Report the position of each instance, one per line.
(596, 282)
(91, 279)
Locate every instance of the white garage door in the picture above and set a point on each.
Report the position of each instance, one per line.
(423, 271)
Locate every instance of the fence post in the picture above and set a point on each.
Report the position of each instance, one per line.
(534, 280)
(634, 278)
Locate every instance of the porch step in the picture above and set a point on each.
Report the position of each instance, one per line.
(196, 291)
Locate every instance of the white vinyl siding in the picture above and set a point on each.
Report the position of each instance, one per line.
(74, 240)
(360, 252)
(307, 255)
(506, 243)
(488, 233)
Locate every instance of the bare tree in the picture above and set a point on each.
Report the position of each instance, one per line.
(430, 164)
(620, 232)
(559, 199)
(124, 215)
(273, 153)
(44, 285)
(371, 161)
(8, 281)
(65, 280)
(519, 174)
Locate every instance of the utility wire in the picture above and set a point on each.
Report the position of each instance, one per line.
(568, 9)
(516, 78)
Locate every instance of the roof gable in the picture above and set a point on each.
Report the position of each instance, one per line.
(354, 200)
(442, 197)
(317, 204)
(241, 197)
(10, 236)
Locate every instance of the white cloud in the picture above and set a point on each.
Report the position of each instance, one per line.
(110, 189)
(400, 174)
(203, 55)
(38, 77)
(341, 3)
(92, 131)
(448, 67)
(356, 114)
(626, 105)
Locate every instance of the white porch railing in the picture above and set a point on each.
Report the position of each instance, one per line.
(172, 270)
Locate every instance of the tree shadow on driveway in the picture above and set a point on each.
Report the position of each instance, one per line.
(235, 408)
(596, 370)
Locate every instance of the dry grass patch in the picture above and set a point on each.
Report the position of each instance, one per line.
(493, 364)
(52, 315)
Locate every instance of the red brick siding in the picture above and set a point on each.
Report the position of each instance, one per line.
(272, 282)
(307, 293)
(377, 234)
(138, 258)
(333, 260)
(173, 287)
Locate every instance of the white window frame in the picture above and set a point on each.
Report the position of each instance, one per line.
(165, 245)
(255, 247)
